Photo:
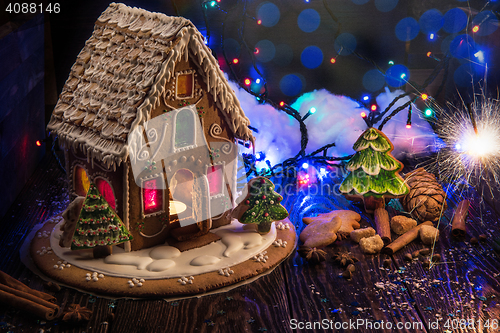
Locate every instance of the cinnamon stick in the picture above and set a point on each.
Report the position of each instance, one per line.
(404, 239)
(9, 281)
(458, 224)
(28, 302)
(382, 224)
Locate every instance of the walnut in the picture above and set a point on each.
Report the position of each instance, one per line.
(344, 259)
(312, 255)
(76, 313)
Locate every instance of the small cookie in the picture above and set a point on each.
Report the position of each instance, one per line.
(357, 235)
(343, 214)
(371, 245)
(321, 233)
(401, 224)
(428, 234)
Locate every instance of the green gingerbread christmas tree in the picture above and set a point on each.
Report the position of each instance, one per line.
(263, 205)
(373, 171)
(98, 225)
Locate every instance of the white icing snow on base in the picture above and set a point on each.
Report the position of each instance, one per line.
(239, 243)
(204, 261)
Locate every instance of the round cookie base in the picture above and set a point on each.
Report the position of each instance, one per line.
(157, 288)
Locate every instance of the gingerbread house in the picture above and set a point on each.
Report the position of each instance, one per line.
(137, 68)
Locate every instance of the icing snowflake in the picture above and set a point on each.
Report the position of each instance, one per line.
(261, 257)
(184, 280)
(283, 226)
(62, 265)
(226, 271)
(279, 243)
(135, 282)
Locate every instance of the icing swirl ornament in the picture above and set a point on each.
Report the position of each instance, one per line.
(373, 171)
(261, 206)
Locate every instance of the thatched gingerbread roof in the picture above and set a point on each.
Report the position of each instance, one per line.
(120, 76)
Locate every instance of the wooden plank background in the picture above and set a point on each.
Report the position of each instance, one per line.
(464, 286)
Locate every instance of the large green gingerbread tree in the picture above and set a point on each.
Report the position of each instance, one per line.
(262, 205)
(98, 225)
(373, 171)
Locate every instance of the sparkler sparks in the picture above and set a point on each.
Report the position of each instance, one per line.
(471, 135)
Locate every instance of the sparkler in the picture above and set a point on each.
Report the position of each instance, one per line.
(471, 135)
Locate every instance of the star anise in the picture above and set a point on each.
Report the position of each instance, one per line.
(344, 259)
(76, 313)
(312, 255)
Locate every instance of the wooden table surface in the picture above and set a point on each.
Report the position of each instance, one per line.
(461, 294)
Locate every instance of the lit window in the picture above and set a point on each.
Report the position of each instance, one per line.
(152, 196)
(106, 192)
(82, 182)
(215, 179)
(184, 129)
(185, 85)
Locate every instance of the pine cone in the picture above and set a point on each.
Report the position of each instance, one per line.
(426, 198)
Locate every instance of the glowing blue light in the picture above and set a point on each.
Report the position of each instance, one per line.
(458, 146)
(345, 44)
(428, 112)
(213, 3)
(479, 55)
(431, 36)
(431, 21)
(311, 57)
(258, 155)
(407, 29)
(391, 62)
(366, 97)
(322, 173)
(312, 110)
(257, 98)
(291, 85)
(397, 75)
(308, 20)
(373, 80)
(268, 13)
(455, 20)
(257, 81)
(305, 165)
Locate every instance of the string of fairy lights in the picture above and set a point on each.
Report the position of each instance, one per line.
(320, 156)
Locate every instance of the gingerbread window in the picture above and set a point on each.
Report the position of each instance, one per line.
(152, 196)
(215, 179)
(107, 192)
(185, 85)
(81, 181)
(185, 129)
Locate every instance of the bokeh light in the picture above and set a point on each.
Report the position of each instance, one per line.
(267, 51)
(268, 13)
(454, 20)
(291, 85)
(373, 80)
(308, 20)
(462, 46)
(311, 57)
(345, 44)
(397, 75)
(431, 21)
(407, 29)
